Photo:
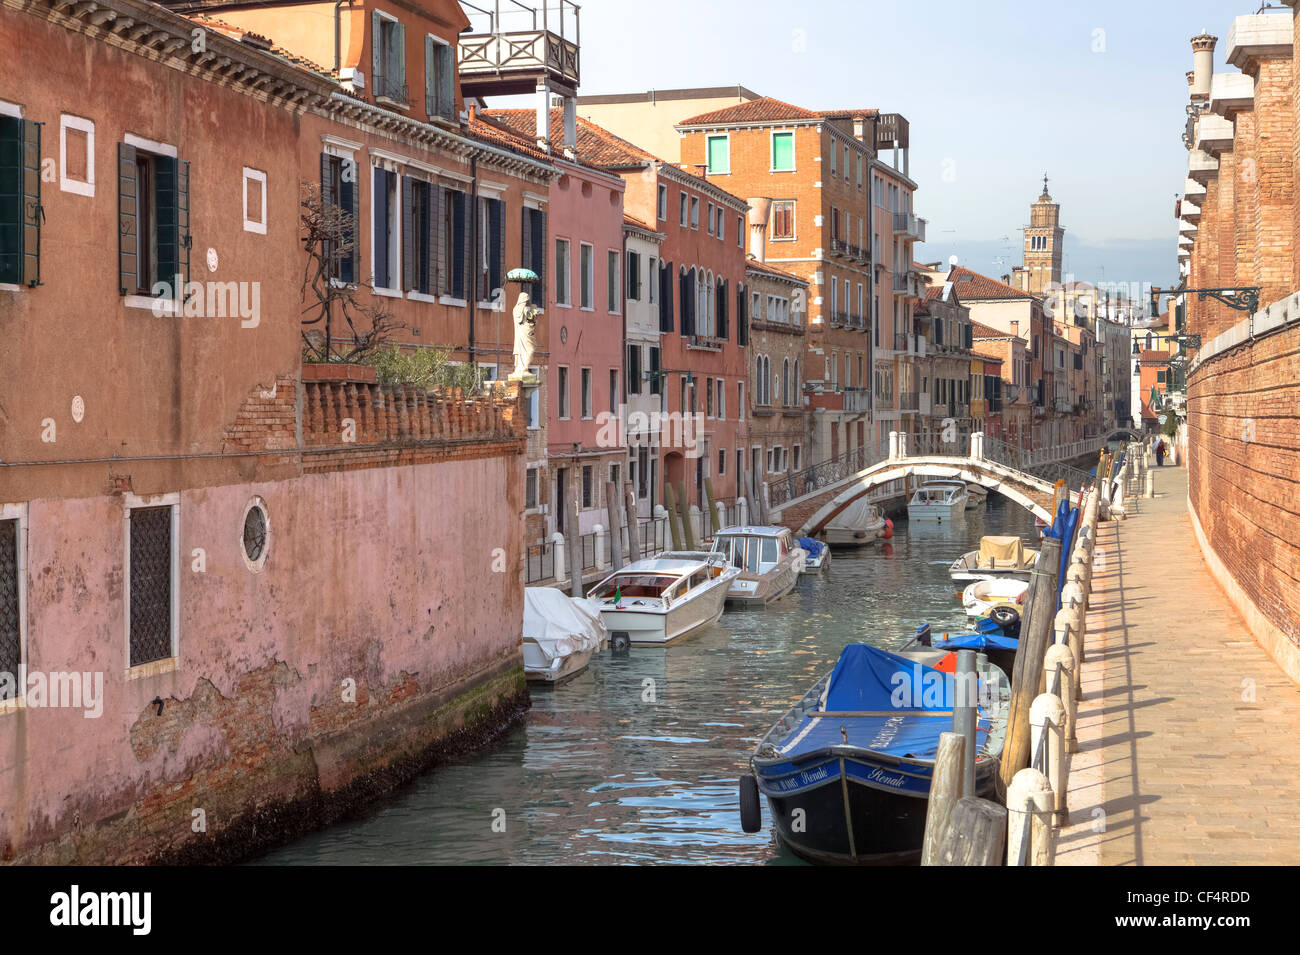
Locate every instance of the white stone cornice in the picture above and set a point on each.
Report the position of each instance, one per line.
(1214, 134)
(1256, 36)
(1201, 166)
(1230, 93)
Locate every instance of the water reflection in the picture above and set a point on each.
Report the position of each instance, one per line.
(636, 760)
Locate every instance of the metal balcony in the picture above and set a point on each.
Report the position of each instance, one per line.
(909, 226)
(496, 58)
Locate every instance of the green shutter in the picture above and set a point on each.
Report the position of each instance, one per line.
(350, 200)
(399, 38)
(172, 197)
(435, 231)
(783, 151)
(409, 264)
(459, 247)
(719, 154)
(446, 81)
(127, 262)
(496, 247)
(11, 200)
(430, 79)
(376, 53)
(33, 212)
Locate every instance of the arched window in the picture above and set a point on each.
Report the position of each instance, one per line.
(795, 379)
(785, 383)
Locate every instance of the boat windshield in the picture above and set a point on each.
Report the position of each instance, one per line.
(634, 585)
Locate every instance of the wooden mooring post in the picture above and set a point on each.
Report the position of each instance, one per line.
(612, 513)
(633, 525)
(684, 512)
(674, 516)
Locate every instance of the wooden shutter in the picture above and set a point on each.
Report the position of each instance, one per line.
(722, 310)
(496, 248)
(376, 53)
(13, 199)
(666, 298)
(430, 79)
(350, 200)
(526, 244)
(538, 295)
(742, 318)
(410, 266)
(460, 251)
(33, 212)
(446, 82)
(128, 279)
(400, 90)
(433, 237)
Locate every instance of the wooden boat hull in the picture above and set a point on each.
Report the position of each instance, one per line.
(842, 806)
(771, 586)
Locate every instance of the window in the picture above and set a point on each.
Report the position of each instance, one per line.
(795, 456)
(388, 57)
(153, 571)
(708, 219)
(722, 229)
(532, 400)
(719, 155)
(685, 205)
(453, 265)
(655, 379)
(695, 212)
(254, 181)
(722, 462)
(834, 151)
(12, 599)
(154, 220)
(633, 275)
(783, 219)
(588, 486)
(612, 282)
(384, 222)
(740, 399)
(662, 202)
(635, 382)
(439, 79)
(77, 158)
(654, 275)
(420, 264)
(859, 186)
(847, 168)
(586, 392)
(490, 269)
(740, 232)
(533, 241)
(613, 390)
(562, 273)
(722, 400)
(708, 397)
(562, 391)
(587, 276)
(783, 152)
(530, 488)
(20, 204)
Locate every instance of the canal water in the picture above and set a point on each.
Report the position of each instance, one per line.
(637, 759)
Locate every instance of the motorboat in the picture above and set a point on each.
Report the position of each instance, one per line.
(861, 522)
(846, 771)
(978, 496)
(999, 647)
(560, 634)
(940, 502)
(981, 596)
(817, 555)
(663, 598)
(767, 558)
(997, 558)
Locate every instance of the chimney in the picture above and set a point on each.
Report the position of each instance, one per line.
(571, 127)
(1202, 65)
(1015, 327)
(1006, 280)
(1191, 82)
(759, 210)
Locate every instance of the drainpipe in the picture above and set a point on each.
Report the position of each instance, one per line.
(471, 281)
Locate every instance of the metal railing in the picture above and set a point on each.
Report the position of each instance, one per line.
(539, 562)
(1045, 463)
(822, 475)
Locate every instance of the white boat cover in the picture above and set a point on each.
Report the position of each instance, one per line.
(858, 516)
(560, 624)
(1001, 552)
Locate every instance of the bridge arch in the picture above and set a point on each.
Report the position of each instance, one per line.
(1033, 494)
(1127, 434)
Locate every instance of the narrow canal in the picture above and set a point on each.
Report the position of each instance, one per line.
(636, 760)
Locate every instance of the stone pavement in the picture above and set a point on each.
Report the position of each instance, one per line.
(1189, 733)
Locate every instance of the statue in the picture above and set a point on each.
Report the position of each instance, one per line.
(525, 314)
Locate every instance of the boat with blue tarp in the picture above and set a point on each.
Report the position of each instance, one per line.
(990, 640)
(818, 555)
(846, 771)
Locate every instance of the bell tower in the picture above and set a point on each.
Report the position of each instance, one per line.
(1043, 241)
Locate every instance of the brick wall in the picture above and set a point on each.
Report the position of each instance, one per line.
(1245, 469)
(1274, 154)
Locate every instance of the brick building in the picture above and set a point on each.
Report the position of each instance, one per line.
(1243, 138)
(776, 423)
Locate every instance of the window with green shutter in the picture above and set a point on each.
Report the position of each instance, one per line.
(20, 201)
(154, 238)
(719, 148)
(439, 78)
(783, 152)
(388, 57)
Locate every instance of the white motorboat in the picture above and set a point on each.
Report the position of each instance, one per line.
(996, 559)
(768, 560)
(981, 596)
(663, 598)
(978, 496)
(935, 501)
(560, 635)
(861, 522)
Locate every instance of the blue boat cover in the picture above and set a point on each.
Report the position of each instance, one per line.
(865, 678)
(975, 641)
(1063, 529)
(813, 547)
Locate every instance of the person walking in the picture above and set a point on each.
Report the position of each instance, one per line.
(1160, 452)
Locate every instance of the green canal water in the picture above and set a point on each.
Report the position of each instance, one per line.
(637, 759)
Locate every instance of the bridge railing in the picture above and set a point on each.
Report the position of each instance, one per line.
(935, 443)
(1045, 463)
(807, 480)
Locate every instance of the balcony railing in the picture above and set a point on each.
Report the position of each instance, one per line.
(391, 88)
(909, 401)
(857, 399)
(909, 226)
(811, 479)
(494, 57)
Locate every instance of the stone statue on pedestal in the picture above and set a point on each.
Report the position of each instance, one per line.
(525, 314)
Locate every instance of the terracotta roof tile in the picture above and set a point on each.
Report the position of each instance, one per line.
(596, 145)
(261, 42)
(753, 264)
(980, 330)
(764, 110)
(972, 286)
(846, 113)
(487, 129)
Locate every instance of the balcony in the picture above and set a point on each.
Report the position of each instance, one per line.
(909, 226)
(392, 90)
(909, 401)
(908, 284)
(857, 399)
(500, 59)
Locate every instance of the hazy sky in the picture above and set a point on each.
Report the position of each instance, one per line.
(997, 93)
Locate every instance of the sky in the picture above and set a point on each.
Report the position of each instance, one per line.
(997, 93)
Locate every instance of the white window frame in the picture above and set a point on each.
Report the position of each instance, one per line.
(720, 387)
(76, 186)
(566, 300)
(563, 393)
(613, 283)
(395, 232)
(257, 176)
(661, 202)
(586, 393)
(587, 283)
(131, 502)
(695, 213)
(18, 512)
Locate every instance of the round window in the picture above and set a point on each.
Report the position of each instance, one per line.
(256, 535)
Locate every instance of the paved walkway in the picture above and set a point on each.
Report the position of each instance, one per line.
(1189, 734)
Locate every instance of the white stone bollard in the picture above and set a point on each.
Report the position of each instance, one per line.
(599, 531)
(1060, 659)
(742, 510)
(722, 514)
(1072, 595)
(1150, 490)
(1029, 826)
(557, 542)
(1047, 728)
(893, 445)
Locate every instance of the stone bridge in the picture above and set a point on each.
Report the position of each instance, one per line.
(1028, 478)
